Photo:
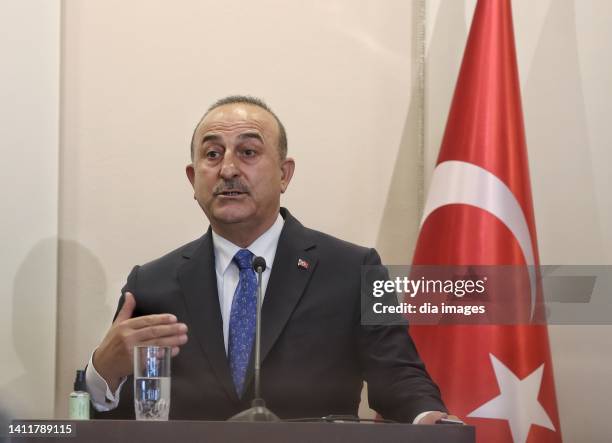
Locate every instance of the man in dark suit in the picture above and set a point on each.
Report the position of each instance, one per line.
(315, 351)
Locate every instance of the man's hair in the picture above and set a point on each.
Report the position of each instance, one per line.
(232, 99)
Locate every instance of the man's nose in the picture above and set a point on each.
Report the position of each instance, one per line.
(228, 166)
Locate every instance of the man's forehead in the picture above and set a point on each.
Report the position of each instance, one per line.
(236, 116)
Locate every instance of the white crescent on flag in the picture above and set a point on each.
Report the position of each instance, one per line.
(458, 182)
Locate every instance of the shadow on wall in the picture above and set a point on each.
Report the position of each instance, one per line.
(30, 394)
(558, 144)
(4, 422)
(401, 218)
(39, 342)
(442, 63)
(82, 314)
(567, 213)
(400, 221)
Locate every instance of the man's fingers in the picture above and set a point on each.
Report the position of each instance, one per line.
(150, 320)
(129, 303)
(158, 331)
(174, 341)
(175, 351)
(432, 417)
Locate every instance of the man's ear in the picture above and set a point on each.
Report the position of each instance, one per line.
(287, 168)
(190, 174)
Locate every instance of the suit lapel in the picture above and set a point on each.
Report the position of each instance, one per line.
(198, 280)
(286, 285)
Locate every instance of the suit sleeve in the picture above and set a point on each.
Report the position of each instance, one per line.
(399, 387)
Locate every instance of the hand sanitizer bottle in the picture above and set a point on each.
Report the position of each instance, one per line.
(79, 399)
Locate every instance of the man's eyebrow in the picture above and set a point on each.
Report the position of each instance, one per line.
(211, 137)
(253, 135)
(245, 135)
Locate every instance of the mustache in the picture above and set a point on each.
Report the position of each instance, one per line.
(230, 185)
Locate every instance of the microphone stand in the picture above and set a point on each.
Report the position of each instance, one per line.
(258, 410)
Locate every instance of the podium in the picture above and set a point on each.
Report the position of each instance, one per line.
(128, 431)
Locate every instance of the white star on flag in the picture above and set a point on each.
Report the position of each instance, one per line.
(518, 401)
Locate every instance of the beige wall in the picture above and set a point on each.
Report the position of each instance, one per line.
(567, 104)
(138, 75)
(29, 116)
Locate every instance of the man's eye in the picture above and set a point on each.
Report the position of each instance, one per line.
(249, 152)
(213, 155)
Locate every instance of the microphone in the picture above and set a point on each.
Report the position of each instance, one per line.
(259, 265)
(258, 410)
(259, 262)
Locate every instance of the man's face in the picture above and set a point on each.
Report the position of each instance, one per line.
(237, 173)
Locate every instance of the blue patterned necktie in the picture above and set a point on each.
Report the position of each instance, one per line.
(242, 319)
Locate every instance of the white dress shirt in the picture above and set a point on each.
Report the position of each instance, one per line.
(228, 275)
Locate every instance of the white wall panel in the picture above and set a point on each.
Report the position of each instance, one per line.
(29, 134)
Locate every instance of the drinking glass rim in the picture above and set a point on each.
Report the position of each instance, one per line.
(152, 347)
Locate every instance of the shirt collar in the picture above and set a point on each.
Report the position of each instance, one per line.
(264, 246)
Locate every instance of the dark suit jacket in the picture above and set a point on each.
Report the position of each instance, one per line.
(315, 352)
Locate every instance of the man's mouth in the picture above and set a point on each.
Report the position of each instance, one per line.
(230, 193)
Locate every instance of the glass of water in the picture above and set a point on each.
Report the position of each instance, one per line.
(152, 382)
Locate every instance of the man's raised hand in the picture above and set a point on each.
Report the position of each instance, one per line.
(113, 359)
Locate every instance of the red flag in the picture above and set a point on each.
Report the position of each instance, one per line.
(479, 211)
